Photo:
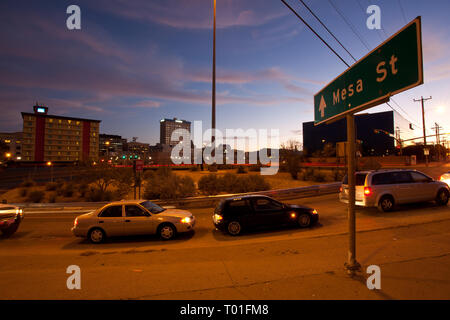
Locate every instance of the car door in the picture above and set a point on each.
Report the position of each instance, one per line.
(111, 220)
(424, 188)
(404, 187)
(268, 212)
(240, 210)
(137, 220)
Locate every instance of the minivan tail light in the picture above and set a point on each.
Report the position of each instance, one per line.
(367, 191)
(340, 189)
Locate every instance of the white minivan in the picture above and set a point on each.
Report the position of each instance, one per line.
(386, 188)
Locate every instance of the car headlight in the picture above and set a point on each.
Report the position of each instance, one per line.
(217, 218)
(186, 220)
(315, 211)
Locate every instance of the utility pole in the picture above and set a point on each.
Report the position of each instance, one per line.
(423, 117)
(424, 127)
(438, 140)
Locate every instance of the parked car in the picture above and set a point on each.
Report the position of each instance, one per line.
(136, 217)
(387, 188)
(234, 215)
(445, 178)
(10, 219)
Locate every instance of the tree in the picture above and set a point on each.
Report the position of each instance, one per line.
(291, 157)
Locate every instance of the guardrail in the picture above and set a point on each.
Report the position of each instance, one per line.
(205, 202)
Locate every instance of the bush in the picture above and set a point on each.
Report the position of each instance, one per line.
(82, 189)
(232, 183)
(52, 197)
(172, 187)
(28, 183)
(36, 196)
(241, 169)
(96, 195)
(23, 192)
(209, 184)
(252, 183)
(319, 176)
(212, 168)
(51, 186)
(67, 190)
(228, 183)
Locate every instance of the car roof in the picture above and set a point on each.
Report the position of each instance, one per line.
(125, 202)
(250, 196)
(3, 205)
(385, 171)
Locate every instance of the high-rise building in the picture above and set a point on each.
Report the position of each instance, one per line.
(56, 138)
(167, 126)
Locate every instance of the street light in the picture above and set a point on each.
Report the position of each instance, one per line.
(107, 150)
(50, 164)
(213, 115)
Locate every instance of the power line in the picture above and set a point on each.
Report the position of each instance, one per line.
(349, 24)
(329, 47)
(402, 10)
(318, 19)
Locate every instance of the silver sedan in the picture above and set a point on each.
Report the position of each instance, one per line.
(132, 217)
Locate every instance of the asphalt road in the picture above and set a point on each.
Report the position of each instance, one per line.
(411, 245)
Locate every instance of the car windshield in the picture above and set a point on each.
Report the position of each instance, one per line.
(153, 208)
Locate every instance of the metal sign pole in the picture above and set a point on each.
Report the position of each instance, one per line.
(351, 265)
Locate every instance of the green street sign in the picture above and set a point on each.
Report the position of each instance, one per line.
(392, 67)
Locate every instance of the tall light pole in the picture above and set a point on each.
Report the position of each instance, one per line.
(213, 115)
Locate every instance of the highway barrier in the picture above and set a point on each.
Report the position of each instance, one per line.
(202, 202)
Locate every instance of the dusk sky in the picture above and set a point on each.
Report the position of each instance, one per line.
(136, 61)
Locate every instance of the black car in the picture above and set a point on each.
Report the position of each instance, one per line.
(250, 212)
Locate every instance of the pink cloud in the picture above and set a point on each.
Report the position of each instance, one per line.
(197, 14)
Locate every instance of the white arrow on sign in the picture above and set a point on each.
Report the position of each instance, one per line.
(322, 107)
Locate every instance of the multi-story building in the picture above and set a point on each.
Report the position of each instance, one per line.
(56, 138)
(14, 142)
(167, 126)
(138, 150)
(110, 145)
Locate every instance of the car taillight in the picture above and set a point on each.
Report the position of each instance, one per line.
(367, 191)
(340, 189)
(75, 223)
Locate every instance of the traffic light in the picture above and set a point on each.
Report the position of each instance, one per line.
(124, 157)
(135, 156)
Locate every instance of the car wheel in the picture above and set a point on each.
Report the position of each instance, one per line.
(304, 220)
(442, 197)
(11, 230)
(97, 235)
(167, 231)
(386, 204)
(234, 228)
